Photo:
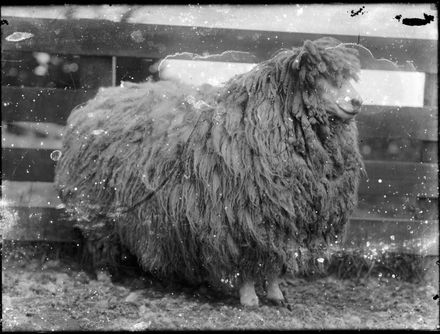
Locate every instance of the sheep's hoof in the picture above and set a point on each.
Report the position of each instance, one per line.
(277, 302)
(277, 298)
(248, 297)
(274, 293)
(289, 279)
(249, 301)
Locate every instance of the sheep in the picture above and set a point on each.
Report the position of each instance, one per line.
(236, 184)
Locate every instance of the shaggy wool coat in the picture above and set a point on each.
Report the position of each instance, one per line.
(217, 183)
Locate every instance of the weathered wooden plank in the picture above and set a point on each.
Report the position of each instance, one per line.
(20, 164)
(30, 194)
(32, 135)
(406, 236)
(95, 72)
(55, 105)
(101, 37)
(44, 194)
(49, 136)
(27, 69)
(36, 223)
(68, 72)
(50, 224)
(400, 178)
(399, 149)
(397, 207)
(431, 90)
(384, 177)
(135, 69)
(395, 122)
(41, 104)
(429, 151)
(371, 148)
(403, 51)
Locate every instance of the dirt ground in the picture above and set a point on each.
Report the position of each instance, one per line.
(47, 295)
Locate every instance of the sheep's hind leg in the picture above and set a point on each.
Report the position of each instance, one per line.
(274, 293)
(101, 249)
(248, 297)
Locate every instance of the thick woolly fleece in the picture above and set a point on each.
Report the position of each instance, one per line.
(249, 177)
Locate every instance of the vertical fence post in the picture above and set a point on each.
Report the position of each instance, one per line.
(431, 88)
(114, 65)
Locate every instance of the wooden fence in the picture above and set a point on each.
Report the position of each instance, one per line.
(398, 201)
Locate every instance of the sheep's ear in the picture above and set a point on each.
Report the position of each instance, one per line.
(308, 50)
(297, 64)
(308, 44)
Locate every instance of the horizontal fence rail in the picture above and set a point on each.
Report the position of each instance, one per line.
(398, 205)
(101, 37)
(40, 223)
(405, 235)
(384, 177)
(54, 105)
(34, 104)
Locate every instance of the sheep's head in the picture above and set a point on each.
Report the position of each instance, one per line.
(323, 71)
(341, 100)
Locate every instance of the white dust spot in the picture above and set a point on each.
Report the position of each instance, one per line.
(55, 155)
(19, 36)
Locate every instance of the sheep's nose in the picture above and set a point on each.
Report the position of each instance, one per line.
(356, 102)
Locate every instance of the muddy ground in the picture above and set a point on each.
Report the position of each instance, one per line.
(55, 294)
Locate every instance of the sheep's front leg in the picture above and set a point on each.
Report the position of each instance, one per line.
(248, 297)
(274, 293)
